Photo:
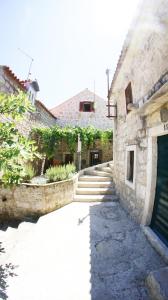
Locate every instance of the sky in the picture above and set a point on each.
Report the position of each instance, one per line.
(72, 43)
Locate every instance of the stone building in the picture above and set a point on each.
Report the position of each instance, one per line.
(95, 154)
(139, 90)
(41, 117)
(83, 110)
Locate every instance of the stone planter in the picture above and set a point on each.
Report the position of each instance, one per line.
(29, 200)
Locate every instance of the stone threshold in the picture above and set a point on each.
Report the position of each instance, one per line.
(157, 281)
(156, 243)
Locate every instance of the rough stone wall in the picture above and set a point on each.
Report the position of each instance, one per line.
(6, 84)
(34, 200)
(106, 149)
(43, 116)
(144, 63)
(68, 112)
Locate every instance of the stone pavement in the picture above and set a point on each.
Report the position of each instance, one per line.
(80, 252)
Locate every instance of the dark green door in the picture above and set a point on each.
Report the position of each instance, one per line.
(160, 213)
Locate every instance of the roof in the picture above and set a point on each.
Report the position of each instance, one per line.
(12, 76)
(92, 96)
(22, 84)
(45, 108)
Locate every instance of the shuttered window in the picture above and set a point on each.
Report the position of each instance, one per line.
(86, 106)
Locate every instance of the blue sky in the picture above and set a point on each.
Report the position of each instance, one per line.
(72, 42)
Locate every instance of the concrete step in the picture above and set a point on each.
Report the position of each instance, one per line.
(98, 173)
(157, 283)
(95, 184)
(95, 198)
(104, 169)
(90, 178)
(95, 191)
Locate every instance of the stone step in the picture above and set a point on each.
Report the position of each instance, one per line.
(95, 191)
(95, 198)
(104, 169)
(157, 283)
(90, 178)
(110, 165)
(98, 173)
(95, 184)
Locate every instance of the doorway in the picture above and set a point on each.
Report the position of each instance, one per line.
(95, 157)
(68, 158)
(159, 222)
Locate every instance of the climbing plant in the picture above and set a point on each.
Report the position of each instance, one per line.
(48, 139)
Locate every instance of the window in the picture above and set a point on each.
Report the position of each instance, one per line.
(130, 166)
(128, 96)
(86, 106)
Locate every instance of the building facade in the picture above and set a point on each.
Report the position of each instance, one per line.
(41, 117)
(83, 110)
(140, 92)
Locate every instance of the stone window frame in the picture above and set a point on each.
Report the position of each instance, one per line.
(128, 182)
(152, 156)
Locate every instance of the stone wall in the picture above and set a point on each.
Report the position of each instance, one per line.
(68, 112)
(106, 153)
(28, 200)
(143, 63)
(43, 116)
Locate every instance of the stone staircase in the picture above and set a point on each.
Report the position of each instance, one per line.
(96, 184)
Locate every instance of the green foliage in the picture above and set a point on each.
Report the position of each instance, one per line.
(48, 139)
(59, 173)
(15, 149)
(70, 170)
(29, 173)
(15, 105)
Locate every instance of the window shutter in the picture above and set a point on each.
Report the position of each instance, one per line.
(81, 106)
(93, 106)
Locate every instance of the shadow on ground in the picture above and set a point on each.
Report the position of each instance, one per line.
(121, 257)
(6, 271)
(15, 223)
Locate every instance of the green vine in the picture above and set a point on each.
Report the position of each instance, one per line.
(48, 139)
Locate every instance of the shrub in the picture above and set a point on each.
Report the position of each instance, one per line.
(29, 172)
(59, 173)
(70, 170)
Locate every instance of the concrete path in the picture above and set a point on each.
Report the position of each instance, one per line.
(80, 252)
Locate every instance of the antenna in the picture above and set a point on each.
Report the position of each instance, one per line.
(31, 62)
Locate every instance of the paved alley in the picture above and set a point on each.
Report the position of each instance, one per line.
(80, 252)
